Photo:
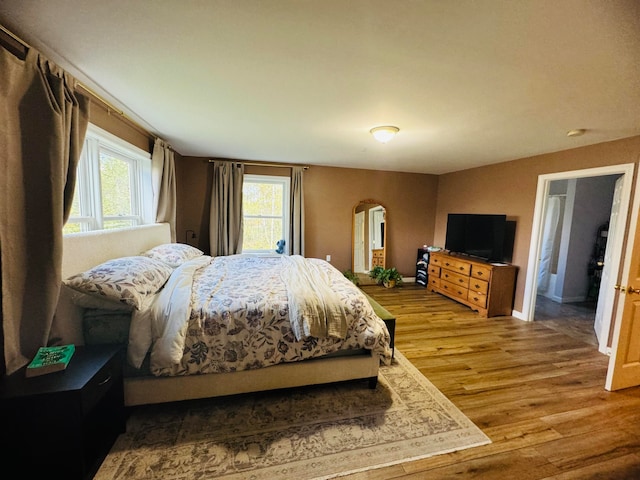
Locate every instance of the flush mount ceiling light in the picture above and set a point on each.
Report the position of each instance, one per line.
(384, 134)
(576, 132)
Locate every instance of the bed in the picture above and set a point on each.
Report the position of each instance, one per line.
(242, 349)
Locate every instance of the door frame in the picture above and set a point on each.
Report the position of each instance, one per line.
(531, 285)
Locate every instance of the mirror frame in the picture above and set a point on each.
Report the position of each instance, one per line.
(368, 201)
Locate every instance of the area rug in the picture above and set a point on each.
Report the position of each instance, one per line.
(305, 433)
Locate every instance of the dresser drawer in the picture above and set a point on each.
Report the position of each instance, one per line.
(454, 290)
(480, 271)
(435, 260)
(479, 299)
(479, 286)
(109, 375)
(433, 270)
(434, 281)
(449, 276)
(457, 266)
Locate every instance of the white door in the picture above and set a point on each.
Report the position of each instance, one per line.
(604, 309)
(376, 220)
(624, 363)
(358, 242)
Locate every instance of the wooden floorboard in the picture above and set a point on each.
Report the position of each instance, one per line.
(535, 388)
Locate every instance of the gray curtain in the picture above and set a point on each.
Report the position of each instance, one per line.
(296, 237)
(164, 184)
(42, 128)
(225, 218)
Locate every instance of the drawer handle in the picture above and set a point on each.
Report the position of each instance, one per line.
(479, 274)
(106, 380)
(461, 268)
(447, 263)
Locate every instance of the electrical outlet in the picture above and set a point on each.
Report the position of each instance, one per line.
(328, 258)
(189, 236)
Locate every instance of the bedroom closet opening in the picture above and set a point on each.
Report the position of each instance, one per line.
(578, 239)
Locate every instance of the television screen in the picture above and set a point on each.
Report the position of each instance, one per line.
(478, 235)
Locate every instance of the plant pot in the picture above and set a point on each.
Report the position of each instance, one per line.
(389, 283)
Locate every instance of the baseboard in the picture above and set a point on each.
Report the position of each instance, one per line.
(573, 299)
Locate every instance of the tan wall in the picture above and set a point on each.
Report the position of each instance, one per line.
(330, 196)
(510, 188)
(119, 126)
(193, 189)
(332, 193)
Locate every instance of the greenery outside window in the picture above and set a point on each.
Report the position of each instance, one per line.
(265, 213)
(113, 188)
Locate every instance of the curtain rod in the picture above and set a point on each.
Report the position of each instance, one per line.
(14, 36)
(262, 164)
(13, 44)
(110, 108)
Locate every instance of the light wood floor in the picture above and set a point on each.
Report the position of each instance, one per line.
(535, 388)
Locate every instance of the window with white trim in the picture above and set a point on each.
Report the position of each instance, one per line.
(265, 213)
(113, 187)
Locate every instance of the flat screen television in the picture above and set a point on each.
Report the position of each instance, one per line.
(477, 235)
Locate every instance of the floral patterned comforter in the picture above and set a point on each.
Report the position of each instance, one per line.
(238, 319)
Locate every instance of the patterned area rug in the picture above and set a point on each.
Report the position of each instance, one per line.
(316, 432)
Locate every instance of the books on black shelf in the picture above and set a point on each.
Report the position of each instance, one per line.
(50, 359)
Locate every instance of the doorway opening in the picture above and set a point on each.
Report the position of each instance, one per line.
(572, 271)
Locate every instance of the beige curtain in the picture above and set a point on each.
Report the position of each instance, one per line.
(164, 184)
(296, 237)
(42, 128)
(225, 218)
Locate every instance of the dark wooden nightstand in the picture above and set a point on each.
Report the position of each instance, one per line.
(63, 423)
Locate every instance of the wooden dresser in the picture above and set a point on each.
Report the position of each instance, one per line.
(377, 257)
(483, 286)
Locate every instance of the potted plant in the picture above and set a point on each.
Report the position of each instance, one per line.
(390, 277)
(376, 273)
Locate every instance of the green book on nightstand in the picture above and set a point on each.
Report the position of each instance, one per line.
(50, 359)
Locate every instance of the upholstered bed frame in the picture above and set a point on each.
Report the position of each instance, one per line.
(85, 250)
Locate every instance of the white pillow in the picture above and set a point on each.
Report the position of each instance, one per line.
(173, 254)
(128, 280)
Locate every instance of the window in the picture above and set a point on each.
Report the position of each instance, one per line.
(265, 211)
(113, 187)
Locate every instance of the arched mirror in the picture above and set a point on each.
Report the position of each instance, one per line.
(369, 239)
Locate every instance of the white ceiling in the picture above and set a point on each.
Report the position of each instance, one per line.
(468, 82)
